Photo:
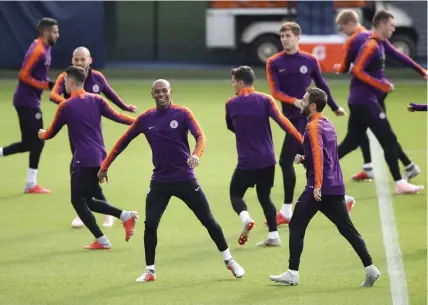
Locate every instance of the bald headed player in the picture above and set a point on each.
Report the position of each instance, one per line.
(95, 83)
(166, 127)
(32, 81)
(349, 23)
(82, 114)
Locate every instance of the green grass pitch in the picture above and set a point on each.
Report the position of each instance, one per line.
(42, 260)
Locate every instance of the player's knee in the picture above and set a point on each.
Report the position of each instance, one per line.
(151, 225)
(286, 163)
(210, 223)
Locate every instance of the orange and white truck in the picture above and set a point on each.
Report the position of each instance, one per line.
(252, 29)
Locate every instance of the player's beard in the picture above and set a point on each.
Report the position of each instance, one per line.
(305, 111)
(51, 40)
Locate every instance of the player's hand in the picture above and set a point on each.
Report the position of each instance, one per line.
(410, 107)
(132, 108)
(336, 68)
(391, 87)
(298, 103)
(299, 159)
(340, 112)
(51, 84)
(425, 76)
(193, 161)
(40, 133)
(317, 194)
(102, 176)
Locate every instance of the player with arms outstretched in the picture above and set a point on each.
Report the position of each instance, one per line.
(166, 128)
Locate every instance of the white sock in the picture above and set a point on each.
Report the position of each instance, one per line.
(273, 235)
(400, 181)
(226, 254)
(151, 267)
(245, 217)
(368, 167)
(408, 167)
(1, 151)
(293, 272)
(32, 177)
(125, 215)
(287, 210)
(103, 240)
(368, 267)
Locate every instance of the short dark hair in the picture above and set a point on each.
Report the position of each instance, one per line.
(244, 73)
(77, 73)
(45, 24)
(381, 16)
(317, 97)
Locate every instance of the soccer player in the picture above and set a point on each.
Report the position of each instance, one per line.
(96, 83)
(368, 84)
(82, 114)
(32, 81)
(289, 74)
(166, 127)
(324, 191)
(412, 107)
(247, 115)
(348, 21)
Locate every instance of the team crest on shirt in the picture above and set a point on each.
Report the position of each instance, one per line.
(173, 124)
(96, 88)
(303, 69)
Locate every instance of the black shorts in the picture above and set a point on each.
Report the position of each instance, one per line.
(30, 122)
(291, 147)
(180, 189)
(84, 182)
(244, 179)
(363, 116)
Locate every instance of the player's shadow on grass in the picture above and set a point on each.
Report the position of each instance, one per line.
(31, 236)
(40, 258)
(10, 196)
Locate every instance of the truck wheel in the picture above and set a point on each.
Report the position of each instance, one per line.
(264, 47)
(405, 44)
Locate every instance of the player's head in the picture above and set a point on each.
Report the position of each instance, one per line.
(314, 101)
(348, 21)
(242, 76)
(384, 24)
(161, 93)
(290, 35)
(82, 58)
(48, 30)
(74, 78)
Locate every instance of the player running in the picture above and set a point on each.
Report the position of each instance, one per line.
(32, 81)
(367, 85)
(348, 21)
